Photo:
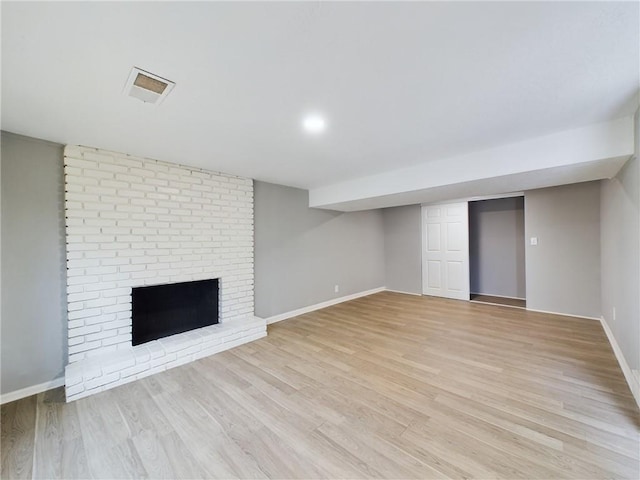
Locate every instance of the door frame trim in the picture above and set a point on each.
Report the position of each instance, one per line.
(456, 200)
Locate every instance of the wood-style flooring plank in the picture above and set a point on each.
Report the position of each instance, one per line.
(384, 386)
(18, 438)
(59, 436)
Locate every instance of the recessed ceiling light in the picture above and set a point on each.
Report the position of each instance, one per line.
(314, 123)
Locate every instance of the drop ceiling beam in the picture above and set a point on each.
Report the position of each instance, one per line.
(588, 153)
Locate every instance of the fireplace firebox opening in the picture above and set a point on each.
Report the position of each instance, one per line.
(162, 310)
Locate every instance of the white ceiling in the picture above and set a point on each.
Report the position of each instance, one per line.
(401, 84)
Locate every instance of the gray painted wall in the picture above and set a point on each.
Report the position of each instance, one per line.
(563, 270)
(403, 248)
(496, 247)
(620, 210)
(34, 322)
(301, 253)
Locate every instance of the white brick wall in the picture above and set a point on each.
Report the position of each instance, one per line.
(133, 222)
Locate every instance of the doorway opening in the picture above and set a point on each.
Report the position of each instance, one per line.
(475, 250)
(497, 251)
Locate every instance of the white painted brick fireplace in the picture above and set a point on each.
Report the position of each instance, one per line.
(135, 222)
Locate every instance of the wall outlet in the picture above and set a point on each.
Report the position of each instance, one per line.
(613, 314)
(534, 240)
(336, 288)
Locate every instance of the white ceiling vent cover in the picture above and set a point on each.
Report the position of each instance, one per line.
(147, 87)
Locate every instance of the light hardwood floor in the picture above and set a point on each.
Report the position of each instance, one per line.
(386, 386)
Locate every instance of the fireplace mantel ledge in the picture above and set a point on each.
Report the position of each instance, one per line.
(108, 370)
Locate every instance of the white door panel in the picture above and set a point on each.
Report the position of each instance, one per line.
(445, 251)
(434, 276)
(434, 212)
(456, 209)
(455, 276)
(433, 237)
(454, 237)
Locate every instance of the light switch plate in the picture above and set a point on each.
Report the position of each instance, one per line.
(534, 240)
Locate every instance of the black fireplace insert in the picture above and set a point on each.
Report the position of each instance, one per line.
(162, 310)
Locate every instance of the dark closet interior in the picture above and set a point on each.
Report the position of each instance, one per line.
(497, 251)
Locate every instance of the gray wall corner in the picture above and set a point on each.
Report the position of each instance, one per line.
(403, 248)
(301, 253)
(563, 269)
(620, 243)
(33, 266)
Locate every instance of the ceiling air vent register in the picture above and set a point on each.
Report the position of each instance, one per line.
(148, 87)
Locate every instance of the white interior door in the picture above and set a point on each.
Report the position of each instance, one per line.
(445, 250)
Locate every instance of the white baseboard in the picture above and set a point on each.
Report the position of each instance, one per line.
(403, 292)
(632, 379)
(32, 390)
(563, 314)
(318, 306)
